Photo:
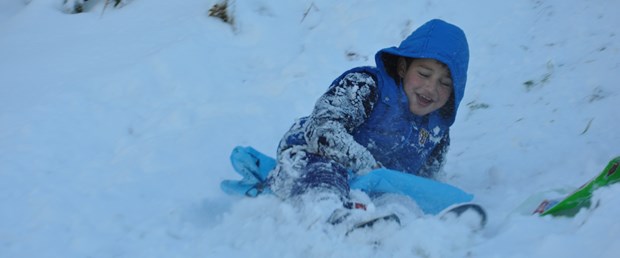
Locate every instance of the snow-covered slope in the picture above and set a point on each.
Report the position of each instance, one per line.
(116, 126)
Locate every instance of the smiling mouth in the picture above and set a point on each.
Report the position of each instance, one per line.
(423, 100)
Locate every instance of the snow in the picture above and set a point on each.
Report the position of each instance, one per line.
(116, 126)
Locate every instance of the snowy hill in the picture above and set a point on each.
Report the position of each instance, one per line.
(116, 126)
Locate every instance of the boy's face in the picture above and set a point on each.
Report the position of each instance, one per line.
(427, 84)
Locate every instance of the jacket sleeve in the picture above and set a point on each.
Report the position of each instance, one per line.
(345, 106)
(437, 159)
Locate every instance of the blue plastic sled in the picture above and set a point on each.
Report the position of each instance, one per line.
(430, 195)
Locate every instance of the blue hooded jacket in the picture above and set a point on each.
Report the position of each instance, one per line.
(396, 137)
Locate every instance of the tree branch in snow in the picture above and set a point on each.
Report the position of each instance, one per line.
(222, 11)
(312, 6)
(78, 6)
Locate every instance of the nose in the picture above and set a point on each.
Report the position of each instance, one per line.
(431, 85)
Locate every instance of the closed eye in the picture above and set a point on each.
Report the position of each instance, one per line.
(425, 73)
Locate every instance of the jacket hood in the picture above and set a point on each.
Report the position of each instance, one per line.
(441, 41)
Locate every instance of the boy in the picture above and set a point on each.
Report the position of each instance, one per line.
(396, 115)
